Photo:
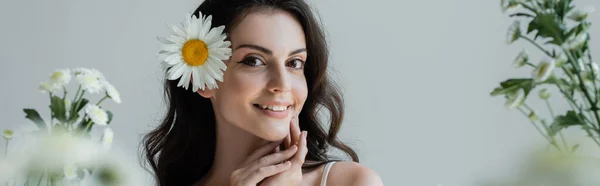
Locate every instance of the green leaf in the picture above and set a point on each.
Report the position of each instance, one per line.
(565, 121)
(110, 117)
(521, 15)
(57, 106)
(82, 104)
(548, 27)
(75, 111)
(512, 85)
(562, 8)
(574, 148)
(34, 116)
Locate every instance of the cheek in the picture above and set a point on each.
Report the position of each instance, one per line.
(300, 90)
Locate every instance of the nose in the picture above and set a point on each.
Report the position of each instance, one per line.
(279, 81)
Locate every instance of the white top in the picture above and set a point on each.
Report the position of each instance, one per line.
(325, 173)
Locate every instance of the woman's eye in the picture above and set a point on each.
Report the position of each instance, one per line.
(252, 61)
(296, 63)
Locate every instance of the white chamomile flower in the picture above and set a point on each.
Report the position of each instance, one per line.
(514, 32)
(90, 80)
(195, 53)
(49, 87)
(61, 77)
(561, 59)
(595, 69)
(581, 64)
(521, 59)
(97, 115)
(70, 171)
(544, 70)
(581, 15)
(107, 138)
(515, 99)
(112, 92)
(575, 42)
(8, 134)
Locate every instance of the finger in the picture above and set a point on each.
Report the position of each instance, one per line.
(262, 151)
(295, 131)
(288, 138)
(266, 171)
(272, 159)
(299, 157)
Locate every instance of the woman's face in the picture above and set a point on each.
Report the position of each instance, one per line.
(264, 85)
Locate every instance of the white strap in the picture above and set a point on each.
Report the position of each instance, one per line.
(325, 173)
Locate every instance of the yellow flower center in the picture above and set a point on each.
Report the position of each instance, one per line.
(194, 52)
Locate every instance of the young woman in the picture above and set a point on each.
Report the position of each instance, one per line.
(263, 124)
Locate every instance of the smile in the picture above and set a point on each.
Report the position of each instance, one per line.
(275, 108)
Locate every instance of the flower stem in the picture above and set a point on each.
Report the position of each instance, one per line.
(562, 137)
(87, 126)
(40, 180)
(550, 140)
(538, 46)
(101, 100)
(594, 107)
(6, 147)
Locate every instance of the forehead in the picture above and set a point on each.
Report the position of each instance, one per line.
(274, 30)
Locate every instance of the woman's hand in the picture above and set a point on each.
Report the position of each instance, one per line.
(257, 166)
(293, 175)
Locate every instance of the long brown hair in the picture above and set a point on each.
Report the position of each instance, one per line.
(181, 149)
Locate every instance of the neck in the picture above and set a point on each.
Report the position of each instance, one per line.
(233, 146)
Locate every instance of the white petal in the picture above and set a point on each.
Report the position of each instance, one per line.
(185, 79)
(174, 59)
(176, 71)
(176, 40)
(214, 34)
(217, 54)
(206, 25)
(217, 62)
(201, 79)
(196, 79)
(187, 26)
(164, 40)
(214, 74)
(177, 31)
(172, 48)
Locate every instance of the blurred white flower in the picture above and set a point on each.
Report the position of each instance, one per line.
(90, 79)
(68, 155)
(544, 94)
(70, 170)
(561, 59)
(515, 99)
(8, 134)
(521, 59)
(97, 115)
(112, 92)
(514, 32)
(581, 15)
(61, 77)
(49, 87)
(107, 138)
(544, 70)
(575, 42)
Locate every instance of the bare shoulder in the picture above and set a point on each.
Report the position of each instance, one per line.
(352, 173)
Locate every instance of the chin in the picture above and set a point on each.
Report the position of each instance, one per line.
(274, 133)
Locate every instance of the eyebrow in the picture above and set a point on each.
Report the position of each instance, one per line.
(267, 51)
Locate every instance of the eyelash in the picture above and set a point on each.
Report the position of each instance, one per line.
(251, 59)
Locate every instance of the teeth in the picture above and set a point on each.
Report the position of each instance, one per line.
(273, 107)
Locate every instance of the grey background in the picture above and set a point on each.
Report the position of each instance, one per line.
(416, 76)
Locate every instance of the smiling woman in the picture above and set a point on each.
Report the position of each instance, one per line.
(254, 120)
